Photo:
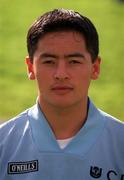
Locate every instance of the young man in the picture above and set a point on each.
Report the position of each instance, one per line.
(64, 136)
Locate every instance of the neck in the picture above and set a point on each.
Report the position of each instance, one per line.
(65, 122)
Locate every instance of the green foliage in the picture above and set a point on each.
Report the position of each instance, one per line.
(18, 93)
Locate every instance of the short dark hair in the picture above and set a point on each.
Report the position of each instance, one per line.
(63, 20)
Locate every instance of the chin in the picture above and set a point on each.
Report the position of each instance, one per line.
(63, 104)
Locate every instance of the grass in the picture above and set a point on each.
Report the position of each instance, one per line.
(18, 93)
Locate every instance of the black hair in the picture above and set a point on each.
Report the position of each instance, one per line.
(63, 20)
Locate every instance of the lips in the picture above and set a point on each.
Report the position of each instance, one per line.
(61, 89)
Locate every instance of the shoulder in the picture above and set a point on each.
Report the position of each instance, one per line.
(111, 121)
(105, 118)
(113, 130)
(14, 127)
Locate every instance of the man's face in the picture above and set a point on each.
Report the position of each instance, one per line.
(63, 69)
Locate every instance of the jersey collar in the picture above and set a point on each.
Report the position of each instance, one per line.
(82, 142)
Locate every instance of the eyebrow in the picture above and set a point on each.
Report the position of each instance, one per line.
(76, 54)
(50, 55)
(46, 55)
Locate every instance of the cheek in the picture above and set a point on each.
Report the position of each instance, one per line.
(43, 78)
(83, 79)
(84, 74)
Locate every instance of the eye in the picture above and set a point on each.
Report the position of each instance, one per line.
(74, 62)
(48, 62)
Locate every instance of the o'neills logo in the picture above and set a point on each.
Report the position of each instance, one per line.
(22, 167)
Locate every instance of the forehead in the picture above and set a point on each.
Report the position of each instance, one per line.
(62, 34)
(63, 39)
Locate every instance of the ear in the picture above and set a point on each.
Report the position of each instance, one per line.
(30, 69)
(96, 69)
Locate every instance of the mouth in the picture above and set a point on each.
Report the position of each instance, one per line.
(61, 89)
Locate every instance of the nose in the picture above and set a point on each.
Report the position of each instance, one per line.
(61, 72)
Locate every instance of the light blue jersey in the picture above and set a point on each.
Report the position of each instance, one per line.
(29, 149)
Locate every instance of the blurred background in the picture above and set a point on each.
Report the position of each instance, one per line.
(18, 93)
